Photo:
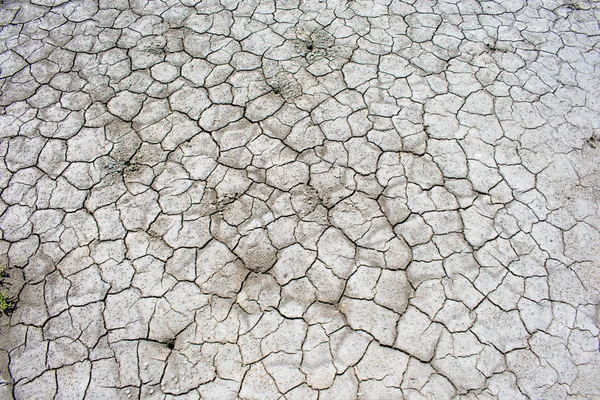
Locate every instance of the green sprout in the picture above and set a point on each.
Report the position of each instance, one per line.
(6, 305)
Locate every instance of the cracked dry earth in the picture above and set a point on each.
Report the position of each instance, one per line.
(300, 199)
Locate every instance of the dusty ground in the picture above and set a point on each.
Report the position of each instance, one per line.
(300, 199)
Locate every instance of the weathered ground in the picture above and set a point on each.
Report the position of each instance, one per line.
(300, 199)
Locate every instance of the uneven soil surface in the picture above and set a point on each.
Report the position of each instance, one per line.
(300, 199)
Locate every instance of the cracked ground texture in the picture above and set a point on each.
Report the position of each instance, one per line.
(300, 199)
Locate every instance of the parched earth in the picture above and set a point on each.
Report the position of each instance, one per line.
(300, 199)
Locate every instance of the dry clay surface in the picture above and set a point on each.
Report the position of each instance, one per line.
(300, 199)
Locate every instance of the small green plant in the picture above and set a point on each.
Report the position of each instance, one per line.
(6, 305)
